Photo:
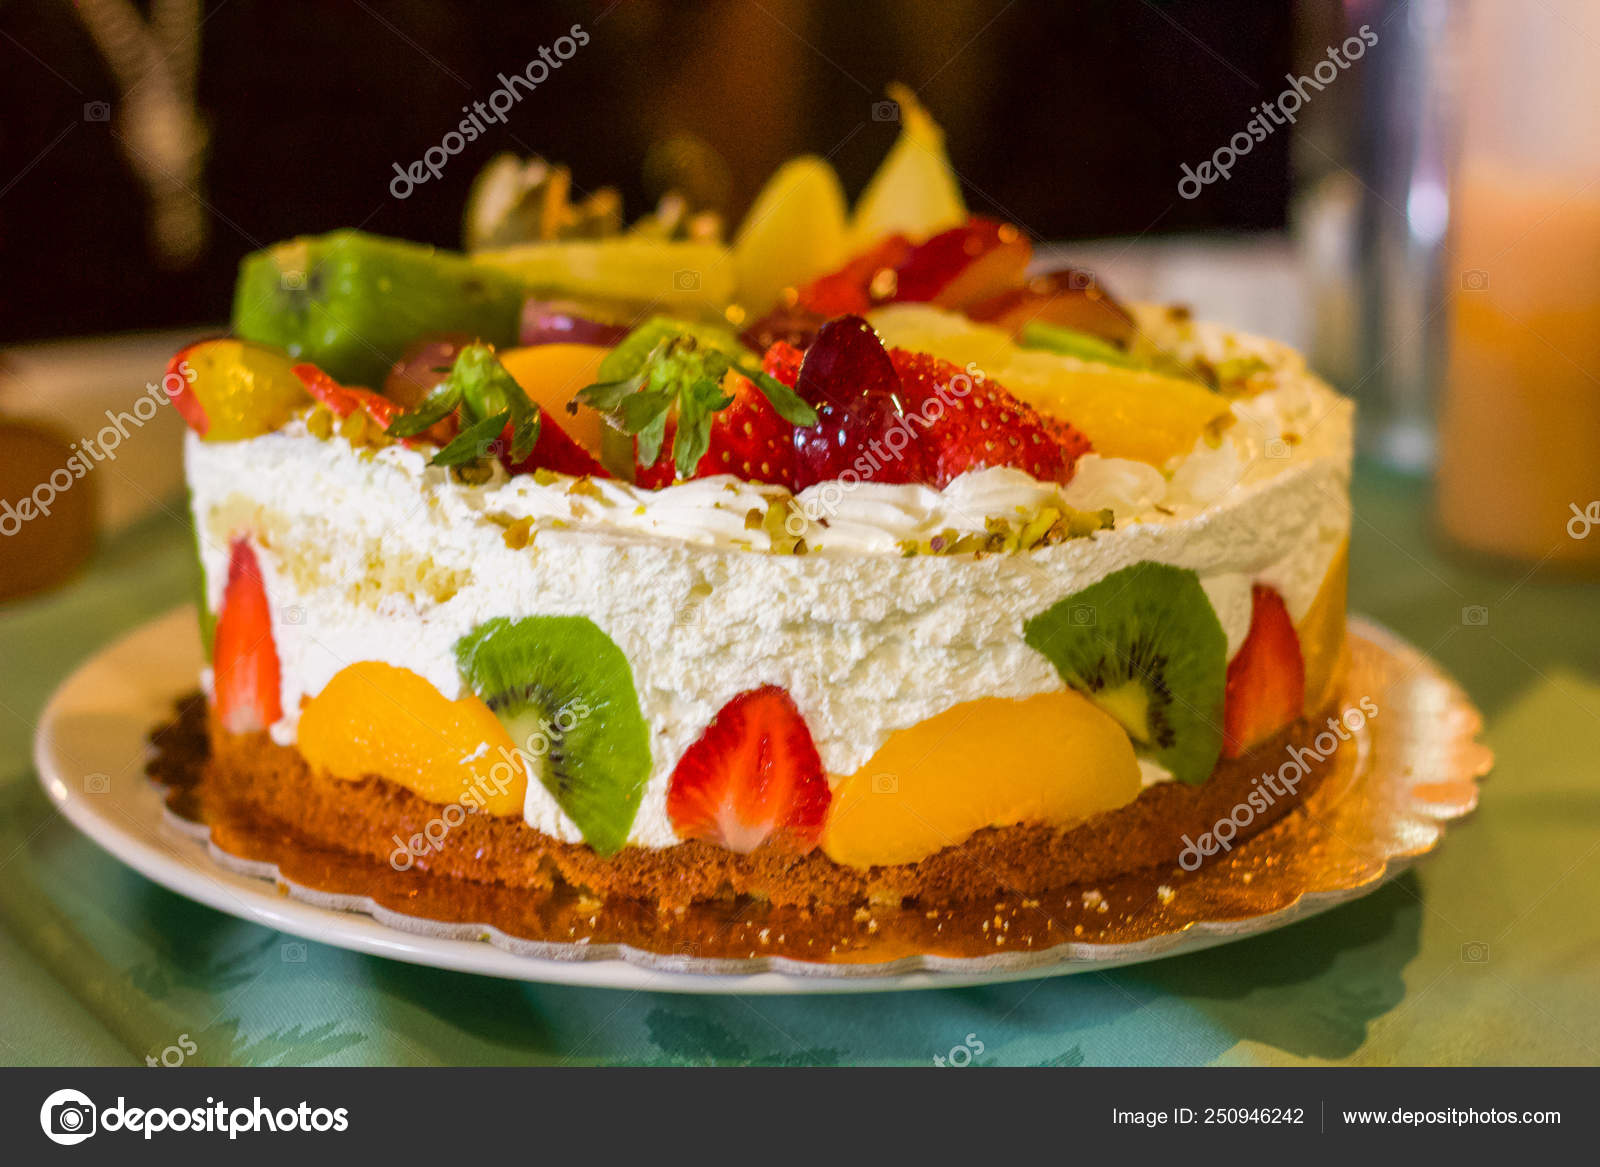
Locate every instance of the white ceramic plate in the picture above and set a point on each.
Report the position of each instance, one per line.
(90, 752)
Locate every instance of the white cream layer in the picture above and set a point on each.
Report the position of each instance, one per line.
(865, 640)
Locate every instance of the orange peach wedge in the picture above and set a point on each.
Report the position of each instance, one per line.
(1055, 758)
(374, 718)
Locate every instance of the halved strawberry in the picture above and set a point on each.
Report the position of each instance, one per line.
(752, 777)
(244, 665)
(1266, 678)
(343, 400)
(969, 423)
(748, 438)
(553, 450)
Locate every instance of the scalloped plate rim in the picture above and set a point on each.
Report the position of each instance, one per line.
(180, 856)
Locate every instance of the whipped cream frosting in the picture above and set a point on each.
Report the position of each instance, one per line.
(373, 555)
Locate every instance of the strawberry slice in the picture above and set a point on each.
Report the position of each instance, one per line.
(866, 281)
(244, 660)
(969, 263)
(968, 423)
(554, 450)
(343, 400)
(752, 777)
(1266, 678)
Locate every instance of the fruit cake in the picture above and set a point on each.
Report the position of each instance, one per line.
(856, 560)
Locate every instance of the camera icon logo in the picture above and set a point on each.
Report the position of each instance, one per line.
(886, 111)
(1079, 280)
(293, 280)
(97, 111)
(686, 281)
(293, 953)
(294, 614)
(1475, 279)
(1475, 616)
(68, 1117)
(1277, 448)
(1083, 616)
(1475, 952)
(97, 783)
(885, 784)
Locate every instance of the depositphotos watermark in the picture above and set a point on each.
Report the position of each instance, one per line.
(822, 501)
(1279, 111)
(513, 763)
(87, 453)
(1272, 786)
(69, 1117)
(493, 111)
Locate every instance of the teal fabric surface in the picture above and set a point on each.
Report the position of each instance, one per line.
(1485, 954)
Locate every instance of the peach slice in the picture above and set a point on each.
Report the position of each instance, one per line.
(1322, 631)
(1126, 413)
(552, 374)
(1055, 758)
(374, 718)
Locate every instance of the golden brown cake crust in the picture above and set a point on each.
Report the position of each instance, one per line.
(248, 777)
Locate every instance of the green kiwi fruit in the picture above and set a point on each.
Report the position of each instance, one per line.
(350, 302)
(1146, 646)
(564, 692)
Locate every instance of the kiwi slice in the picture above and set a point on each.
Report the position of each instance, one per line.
(565, 694)
(350, 302)
(1145, 645)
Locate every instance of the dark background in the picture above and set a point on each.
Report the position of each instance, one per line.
(1070, 118)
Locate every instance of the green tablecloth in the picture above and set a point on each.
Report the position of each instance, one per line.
(1485, 954)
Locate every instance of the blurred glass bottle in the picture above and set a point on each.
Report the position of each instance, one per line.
(1373, 158)
(1519, 449)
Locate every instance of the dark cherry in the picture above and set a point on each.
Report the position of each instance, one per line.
(848, 379)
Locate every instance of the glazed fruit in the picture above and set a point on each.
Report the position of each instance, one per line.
(1145, 645)
(1052, 759)
(752, 778)
(1322, 634)
(374, 718)
(965, 264)
(924, 328)
(1126, 413)
(1266, 678)
(1073, 343)
(683, 393)
(869, 278)
(677, 276)
(551, 375)
(601, 323)
(848, 378)
(349, 302)
(245, 675)
(914, 190)
(1066, 298)
(228, 390)
(343, 400)
(794, 231)
(564, 692)
(967, 422)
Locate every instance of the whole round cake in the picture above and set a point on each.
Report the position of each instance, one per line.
(856, 562)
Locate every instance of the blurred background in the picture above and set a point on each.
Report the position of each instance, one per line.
(1433, 245)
